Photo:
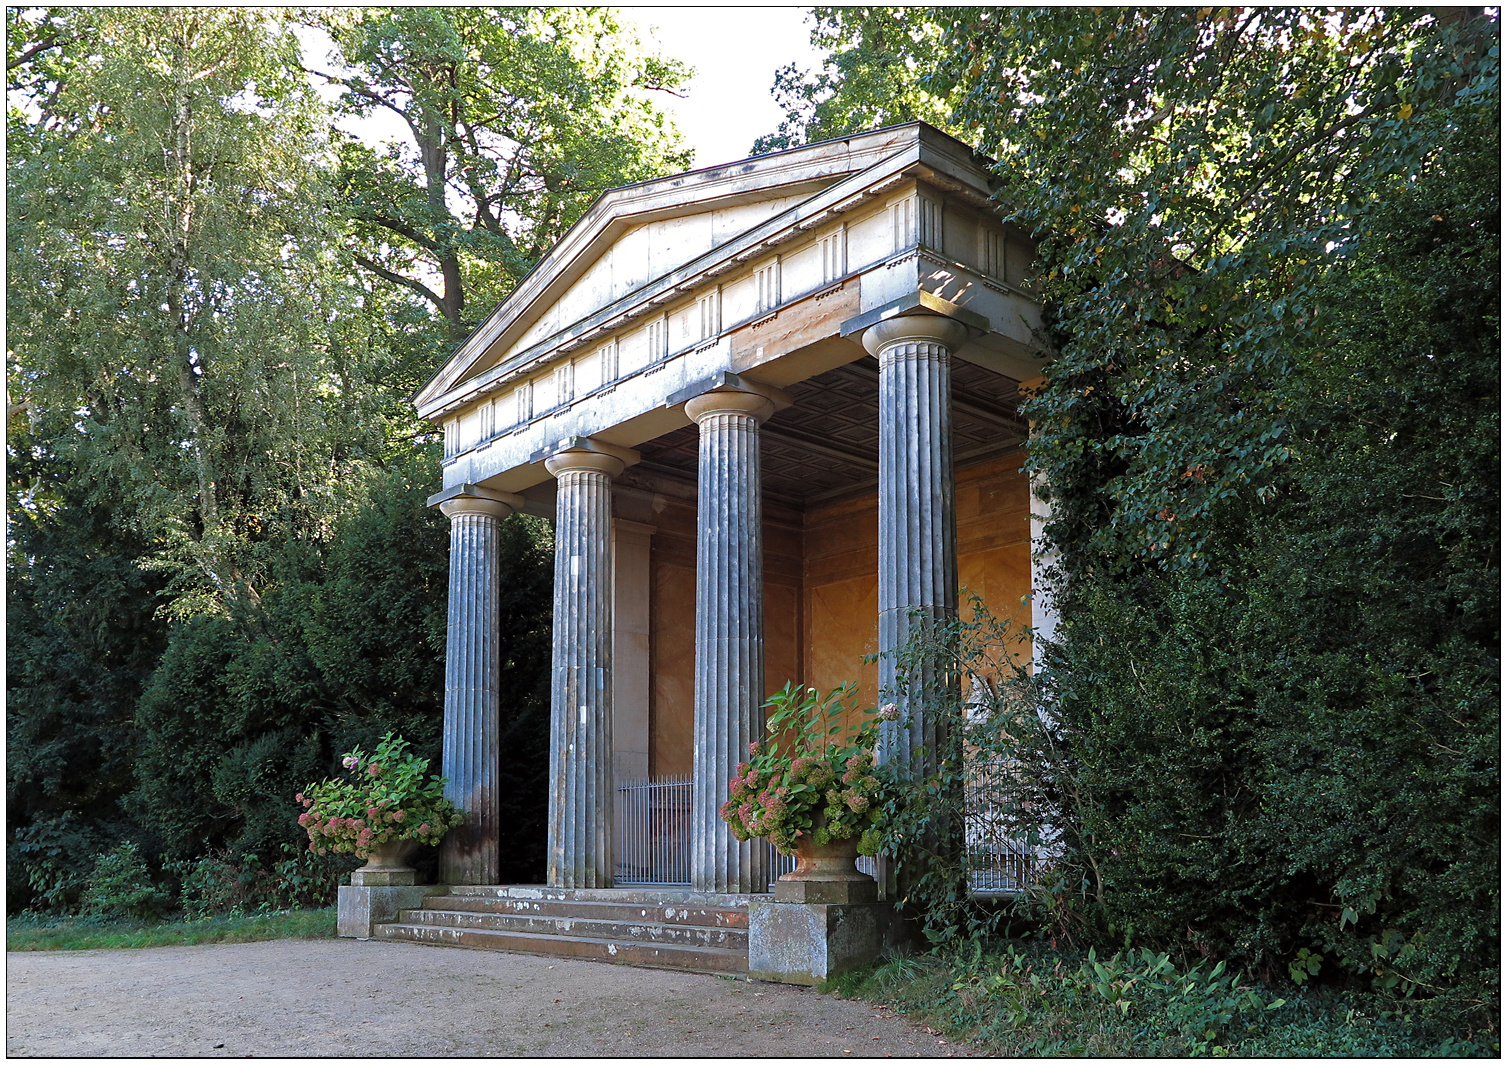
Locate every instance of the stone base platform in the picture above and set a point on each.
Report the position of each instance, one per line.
(660, 928)
(787, 940)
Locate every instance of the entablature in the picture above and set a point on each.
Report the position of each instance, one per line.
(768, 302)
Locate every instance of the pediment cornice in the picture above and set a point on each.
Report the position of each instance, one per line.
(840, 175)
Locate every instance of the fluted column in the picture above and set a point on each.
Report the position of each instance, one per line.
(470, 760)
(918, 565)
(729, 710)
(580, 743)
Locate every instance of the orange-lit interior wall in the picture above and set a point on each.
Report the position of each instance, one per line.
(821, 611)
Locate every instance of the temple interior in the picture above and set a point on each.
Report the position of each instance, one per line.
(820, 472)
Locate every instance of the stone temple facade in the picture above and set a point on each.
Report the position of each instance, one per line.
(771, 409)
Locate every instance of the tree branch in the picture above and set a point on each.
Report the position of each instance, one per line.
(36, 49)
(366, 93)
(398, 279)
(403, 229)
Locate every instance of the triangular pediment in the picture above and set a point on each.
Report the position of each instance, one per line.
(641, 245)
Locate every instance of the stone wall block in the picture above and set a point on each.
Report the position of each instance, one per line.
(808, 943)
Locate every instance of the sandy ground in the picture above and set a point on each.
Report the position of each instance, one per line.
(301, 998)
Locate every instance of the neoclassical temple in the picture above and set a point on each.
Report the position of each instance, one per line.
(771, 409)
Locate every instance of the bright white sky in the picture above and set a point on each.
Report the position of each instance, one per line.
(735, 52)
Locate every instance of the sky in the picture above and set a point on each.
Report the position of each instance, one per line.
(735, 51)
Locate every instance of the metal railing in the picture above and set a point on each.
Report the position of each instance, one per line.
(654, 836)
(654, 832)
(1001, 857)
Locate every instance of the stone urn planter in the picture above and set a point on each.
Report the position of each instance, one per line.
(387, 865)
(825, 872)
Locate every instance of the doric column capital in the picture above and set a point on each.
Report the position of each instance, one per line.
(568, 461)
(586, 453)
(709, 404)
(924, 328)
(474, 499)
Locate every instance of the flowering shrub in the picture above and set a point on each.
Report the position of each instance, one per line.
(387, 799)
(814, 774)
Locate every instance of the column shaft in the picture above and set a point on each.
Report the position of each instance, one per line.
(918, 582)
(469, 759)
(729, 708)
(581, 780)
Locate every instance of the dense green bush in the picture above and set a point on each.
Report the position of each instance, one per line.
(239, 717)
(1272, 736)
(82, 639)
(235, 714)
(1287, 756)
(120, 885)
(223, 882)
(1293, 744)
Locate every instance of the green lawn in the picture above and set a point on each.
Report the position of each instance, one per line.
(23, 933)
(1024, 1000)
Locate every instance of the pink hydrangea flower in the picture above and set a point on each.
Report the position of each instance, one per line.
(350, 761)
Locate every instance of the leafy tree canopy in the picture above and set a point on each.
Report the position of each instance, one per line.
(517, 118)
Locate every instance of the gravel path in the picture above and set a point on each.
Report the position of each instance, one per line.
(301, 998)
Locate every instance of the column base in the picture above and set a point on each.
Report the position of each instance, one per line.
(808, 942)
(359, 909)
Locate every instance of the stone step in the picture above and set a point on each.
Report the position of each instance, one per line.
(624, 912)
(633, 896)
(657, 955)
(628, 929)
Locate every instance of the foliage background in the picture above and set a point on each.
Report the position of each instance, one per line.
(1269, 252)
(221, 573)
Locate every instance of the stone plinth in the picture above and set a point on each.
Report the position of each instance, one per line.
(810, 942)
(384, 878)
(827, 891)
(359, 908)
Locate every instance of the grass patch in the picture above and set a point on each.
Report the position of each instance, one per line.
(85, 933)
(1025, 1000)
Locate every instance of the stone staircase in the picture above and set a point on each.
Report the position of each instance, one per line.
(662, 928)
